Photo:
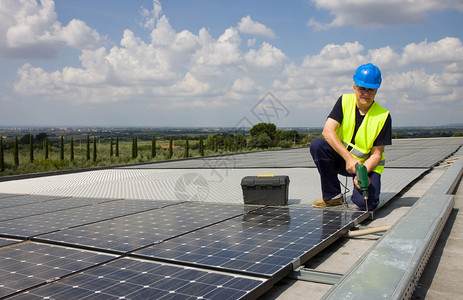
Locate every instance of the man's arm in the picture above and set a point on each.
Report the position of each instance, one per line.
(329, 133)
(371, 162)
(375, 157)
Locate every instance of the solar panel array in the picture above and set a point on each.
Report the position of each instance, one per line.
(293, 158)
(85, 239)
(263, 242)
(128, 278)
(23, 266)
(141, 249)
(403, 153)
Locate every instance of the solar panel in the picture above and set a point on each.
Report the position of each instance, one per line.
(30, 264)
(46, 206)
(262, 242)
(128, 278)
(7, 195)
(419, 153)
(44, 223)
(6, 242)
(288, 158)
(9, 200)
(129, 233)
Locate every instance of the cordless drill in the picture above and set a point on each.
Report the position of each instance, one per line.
(362, 178)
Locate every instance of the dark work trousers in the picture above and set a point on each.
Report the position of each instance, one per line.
(329, 164)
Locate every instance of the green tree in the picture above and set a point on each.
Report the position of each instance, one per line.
(153, 147)
(171, 152)
(263, 135)
(72, 148)
(40, 138)
(46, 146)
(201, 146)
(94, 149)
(262, 141)
(187, 148)
(117, 145)
(16, 152)
(88, 147)
(267, 128)
(291, 136)
(31, 148)
(24, 140)
(111, 150)
(2, 157)
(61, 148)
(134, 147)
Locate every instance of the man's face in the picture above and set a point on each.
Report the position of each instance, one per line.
(365, 96)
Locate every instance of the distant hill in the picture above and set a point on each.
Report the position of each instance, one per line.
(454, 125)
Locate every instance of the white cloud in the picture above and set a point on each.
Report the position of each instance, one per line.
(78, 35)
(446, 50)
(267, 57)
(243, 84)
(151, 17)
(186, 69)
(370, 13)
(248, 26)
(32, 30)
(251, 42)
(214, 57)
(432, 76)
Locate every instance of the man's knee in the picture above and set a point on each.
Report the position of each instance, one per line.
(316, 145)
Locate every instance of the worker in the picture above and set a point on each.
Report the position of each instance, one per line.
(355, 132)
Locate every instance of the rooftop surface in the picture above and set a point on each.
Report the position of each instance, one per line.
(179, 229)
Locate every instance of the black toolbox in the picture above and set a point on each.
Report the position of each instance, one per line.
(265, 189)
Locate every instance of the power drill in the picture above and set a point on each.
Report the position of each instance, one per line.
(362, 178)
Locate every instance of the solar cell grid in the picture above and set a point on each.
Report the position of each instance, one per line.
(135, 279)
(9, 200)
(264, 241)
(129, 233)
(5, 242)
(40, 224)
(29, 264)
(42, 207)
(7, 195)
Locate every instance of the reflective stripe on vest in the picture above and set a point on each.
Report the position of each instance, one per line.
(367, 133)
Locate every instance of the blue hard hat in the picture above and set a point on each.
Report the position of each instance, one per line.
(368, 76)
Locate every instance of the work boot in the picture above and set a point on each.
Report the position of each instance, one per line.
(320, 203)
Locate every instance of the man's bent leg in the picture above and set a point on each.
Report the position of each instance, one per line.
(328, 164)
(374, 190)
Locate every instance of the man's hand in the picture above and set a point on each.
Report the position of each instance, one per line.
(356, 182)
(329, 133)
(350, 165)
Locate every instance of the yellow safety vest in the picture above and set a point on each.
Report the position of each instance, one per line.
(367, 133)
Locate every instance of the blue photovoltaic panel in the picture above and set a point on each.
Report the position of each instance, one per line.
(7, 195)
(128, 278)
(43, 207)
(29, 227)
(129, 233)
(29, 264)
(9, 200)
(263, 242)
(5, 242)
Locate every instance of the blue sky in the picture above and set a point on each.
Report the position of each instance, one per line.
(225, 63)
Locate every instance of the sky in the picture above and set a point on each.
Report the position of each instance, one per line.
(209, 63)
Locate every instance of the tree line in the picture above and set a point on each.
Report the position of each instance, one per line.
(41, 153)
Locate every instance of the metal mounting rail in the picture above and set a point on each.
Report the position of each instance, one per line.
(312, 275)
(392, 268)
